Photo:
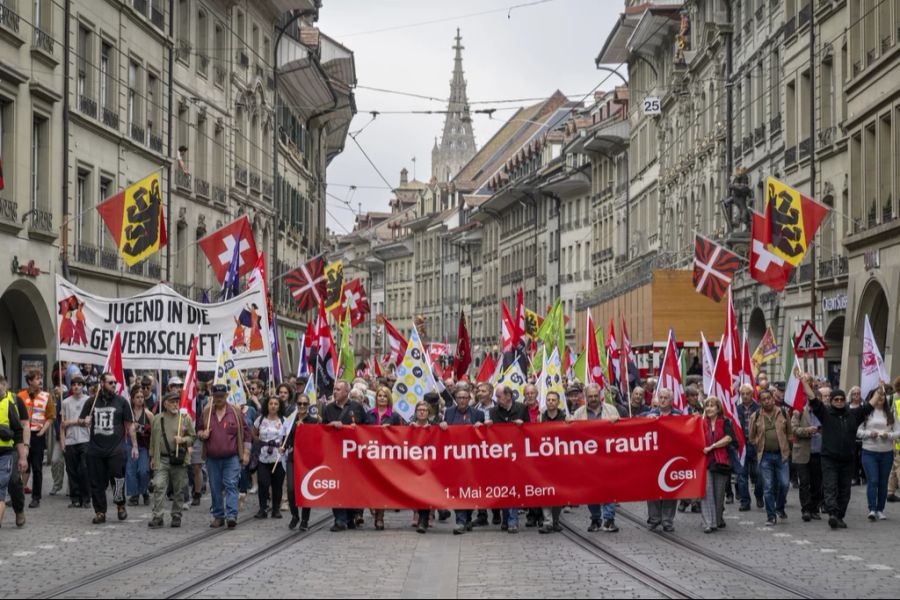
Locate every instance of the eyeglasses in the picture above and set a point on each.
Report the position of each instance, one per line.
(110, 382)
(303, 404)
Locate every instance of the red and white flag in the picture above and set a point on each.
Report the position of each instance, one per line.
(396, 342)
(746, 376)
(714, 268)
(873, 372)
(258, 274)
(354, 302)
(189, 391)
(219, 248)
(723, 389)
(519, 333)
(613, 357)
(670, 374)
(114, 366)
(767, 267)
(593, 367)
(794, 394)
(308, 284)
(507, 328)
(709, 365)
(628, 358)
(488, 366)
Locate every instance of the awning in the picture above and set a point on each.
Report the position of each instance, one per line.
(654, 30)
(338, 62)
(304, 81)
(622, 41)
(611, 139)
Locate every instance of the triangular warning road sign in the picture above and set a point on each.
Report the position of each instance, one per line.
(810, 341)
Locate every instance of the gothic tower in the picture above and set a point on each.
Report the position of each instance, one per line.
(457, 145)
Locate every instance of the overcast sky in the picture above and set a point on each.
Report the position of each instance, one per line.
(526, 53)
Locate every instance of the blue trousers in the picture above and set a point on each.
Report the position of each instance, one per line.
(776, 476)
(137, 472)
(877, 466)
(223, 486)
(602, 512)
(747, 473)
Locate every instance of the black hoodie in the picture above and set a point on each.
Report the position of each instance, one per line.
(839, 427)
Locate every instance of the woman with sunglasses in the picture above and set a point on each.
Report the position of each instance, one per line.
(300, 516)
(382, 414)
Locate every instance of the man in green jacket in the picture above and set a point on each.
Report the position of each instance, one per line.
(171, 437)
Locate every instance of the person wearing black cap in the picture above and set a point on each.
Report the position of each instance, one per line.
(839, 427)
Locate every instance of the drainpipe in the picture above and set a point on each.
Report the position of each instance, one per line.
(729, 94)
(65, 153)
(169, 119)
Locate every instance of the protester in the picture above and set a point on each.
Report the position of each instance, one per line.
(75, 437)
(337, 413)
(749, 471)
(553, 414)
(530, 394)
(300, 516)
(13, 456)
(110, 419)
(894, 478)
(171, 440)
(484, 403)
(16, 488)
(770, 433)
(694, 407)
(662, 512)
(268, 434)
(637, 402)
(137, 471)
(198, 469)
(854, 400)
(41, 413)
(807, 458)
(603, 516)
(226, 447)
(285, 393)
(508, 411)
(839, 427)
(718, 431)
(462, 413)
(422, 419)
(879, 432)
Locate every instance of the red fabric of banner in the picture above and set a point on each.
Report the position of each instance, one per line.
(500, 465)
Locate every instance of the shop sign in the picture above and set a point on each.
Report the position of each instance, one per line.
(834, 303)
(29, 269)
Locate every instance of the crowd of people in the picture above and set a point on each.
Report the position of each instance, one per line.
(146, 450)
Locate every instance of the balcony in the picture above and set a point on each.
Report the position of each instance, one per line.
(201, 187)
(775, 125)
(85, 254)
(530, 272)
(136, 133)
(9, 19)
(42, 41)
(87, 106)
(9, 215)
(109, 259)
(240, 175)
(41, 225)
(219, 196)
(790, 156)
(155, 142)
(182, 180)
(805, 147)
(834, 267)
(110, 118)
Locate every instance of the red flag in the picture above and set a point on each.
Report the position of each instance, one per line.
(114, 366)
(714, 268)
(258, 274)
(519, 331)
(307, 283)
(354, 301)
(219, 247)
(732, 341)
(628, 357)
(766, 267)
(670, 374)
(487, 369)
(593, 367)
(189, 391)
(613, 357)
(463, 357)
(746, 377)
(722, 388)
(377, 366)
(396, 341)
(507, 329)
(567, 361)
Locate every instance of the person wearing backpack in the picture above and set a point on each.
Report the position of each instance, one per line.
(169, 456)
(770, 434)
(268, 434)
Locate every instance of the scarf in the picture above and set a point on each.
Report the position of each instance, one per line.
(719, 455)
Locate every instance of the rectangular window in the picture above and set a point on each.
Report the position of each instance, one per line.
(81, 216)
(154, 125)
(106, 75)
(790, 124)
(39, 164)
(202, 43)
(104, 193)
(83, 87)
(202, 143)
(7, 143)
(805, 97)
(133, 100)
(826, 94)
(885, 174)
(221, 54)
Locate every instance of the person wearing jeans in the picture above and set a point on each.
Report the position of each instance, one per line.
(603, 516)
(770, 432)
(226, 446)
(879, 432)
(749, 471)
(458, 414)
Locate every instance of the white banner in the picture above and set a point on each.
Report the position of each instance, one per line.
(158, 327)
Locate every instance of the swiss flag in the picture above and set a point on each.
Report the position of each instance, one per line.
(723, 388)
(355, 302)
(114, 366)
(766, 267)
(219, 247)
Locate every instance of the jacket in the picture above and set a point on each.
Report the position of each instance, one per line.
(803, 430)
(158, 446)
(839, 428)
(607, 412)
(757, 435)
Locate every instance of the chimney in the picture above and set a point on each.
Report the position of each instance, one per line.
(403, 176)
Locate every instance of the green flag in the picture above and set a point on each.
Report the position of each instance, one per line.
(538, 361)
(581, 367)
(560, 330)
(345, 357)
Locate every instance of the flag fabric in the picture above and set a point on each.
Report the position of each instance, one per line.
(873, 372)
(204, 297)
(670, 374)
(463, 357)
(507, 328)
(766, 350)
(312, 394)
(794, 395)
(519, 329)
(498, 371)
(189, 391)
(579, 369)
(354, 303)
(714, 268)
(231, 285)
(722, 388)
(792, 220)
(136, 220)
(747, 376)
(258, 274)
(612, 347)
(551, 381)
(228, 375)
(346, 359)
(709, 365)
(593, 366)
(766, 267)
(302, 364)
(396, 342)
(567, 362)
(274, 345)
(310, 348)
(377, 366)
(515, 379)
(326, 359)
(334, 285)
(414, 378)
(219, 248)
(732, 341)
(487, 369)
(628, 358)
(114, 366)
(533, 322)
(307, 283)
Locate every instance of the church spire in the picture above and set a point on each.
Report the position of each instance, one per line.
(457, 145)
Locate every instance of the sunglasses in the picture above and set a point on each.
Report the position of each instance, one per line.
(303, 404)
(113, 382)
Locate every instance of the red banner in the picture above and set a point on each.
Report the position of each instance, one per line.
(498, 466)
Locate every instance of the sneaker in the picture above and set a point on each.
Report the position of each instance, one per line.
(841, 524)
(695, 507)
(496, 520)
(35, 503)
(610, 526)
(557, 528)
(293, 523)
(334, 528)
(133, 501)
(304, 526)
(833, 522)
(652, 526)
(253, 490)
(231, 523)
(744, 508)
(155, 523)
(595, 526)
(668, 528)
(872, 516)
(421, 529)
(729, 499)
(759, 503)
(816, 516)
(480, 522)
(217, 522)
(806, 517)
(121, 512)
(185, 506)
(443, 515)
(771, 522)
(682, 506)
(504, 527)
(893, 498)
(176, 522)
(470, 525)
(881, 516)
(20, 519)
(146, 499)
(513, 529)
(547, 528)
(261, 514)
(782, 515)
(459, 530)
(276, 514)
(99, 518)
(709, 529)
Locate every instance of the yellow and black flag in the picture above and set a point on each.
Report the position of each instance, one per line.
(334, 285)
(136, 220)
